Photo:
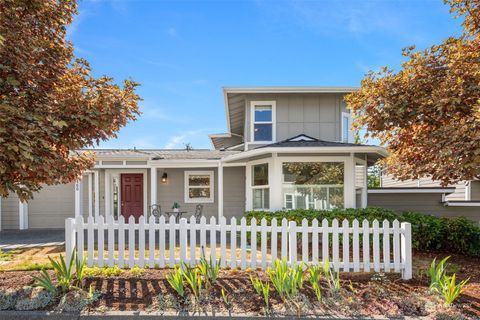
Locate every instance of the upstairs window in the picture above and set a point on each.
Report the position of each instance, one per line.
(263, 118)
(347, 133)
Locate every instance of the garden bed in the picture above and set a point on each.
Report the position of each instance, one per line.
(360, 294)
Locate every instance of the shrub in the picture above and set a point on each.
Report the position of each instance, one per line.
(458, 235)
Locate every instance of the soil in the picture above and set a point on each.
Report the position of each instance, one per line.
(361, 293)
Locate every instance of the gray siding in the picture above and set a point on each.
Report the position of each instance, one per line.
(51, 206)
(174, 191)
(233, 192)
(315, 114)
(10, 212)
(389, 182)
(475, 190)
(430, 203)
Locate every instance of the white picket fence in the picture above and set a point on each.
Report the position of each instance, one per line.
(355, 247)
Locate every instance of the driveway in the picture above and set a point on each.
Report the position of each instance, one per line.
(18, 239)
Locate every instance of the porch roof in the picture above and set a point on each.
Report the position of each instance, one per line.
(161, 154)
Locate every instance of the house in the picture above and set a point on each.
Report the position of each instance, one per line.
(286, 147)
(428, 196)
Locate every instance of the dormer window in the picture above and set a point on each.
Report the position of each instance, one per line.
(263, 118)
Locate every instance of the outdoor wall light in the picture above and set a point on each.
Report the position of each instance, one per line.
(164, 177)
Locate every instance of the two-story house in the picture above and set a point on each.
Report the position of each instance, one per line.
(286, 147)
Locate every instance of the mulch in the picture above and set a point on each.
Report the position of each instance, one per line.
(361, 294)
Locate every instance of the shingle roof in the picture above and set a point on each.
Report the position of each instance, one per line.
(302, 140)
(163, 154)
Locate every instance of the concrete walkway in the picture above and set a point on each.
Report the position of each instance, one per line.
(19, 239)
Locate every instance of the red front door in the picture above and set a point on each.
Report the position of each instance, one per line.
(132, 195)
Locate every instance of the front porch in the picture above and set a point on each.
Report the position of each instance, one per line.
(270, 178)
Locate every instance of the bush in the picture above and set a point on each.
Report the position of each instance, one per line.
(458, 235)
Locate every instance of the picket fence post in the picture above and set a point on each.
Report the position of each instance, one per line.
(70, 236)
(406, 250)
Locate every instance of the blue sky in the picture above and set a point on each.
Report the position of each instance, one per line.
(184, 52)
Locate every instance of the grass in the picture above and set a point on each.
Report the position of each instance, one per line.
(8, 255)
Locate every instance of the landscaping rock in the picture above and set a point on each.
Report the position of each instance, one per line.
(76, 300)
(33, 299)
(8, 299)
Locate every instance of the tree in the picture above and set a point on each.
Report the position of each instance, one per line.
(428, 113)
(50, 104)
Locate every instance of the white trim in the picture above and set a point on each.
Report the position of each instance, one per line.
(350, 137)
(90, 194)
(412, 190)
(153, 185)
(109, 175)
(186, 187)
(302, 137)
(227, 90)
(78, 198)
(119, 166)
(22, 215)
(273, 122)
(462, 204)
(468, 191)
(248, 182)
(220, 189)
(183, 163)
(96, 190)
(340, 149)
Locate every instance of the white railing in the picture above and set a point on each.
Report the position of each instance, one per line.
(354, 247)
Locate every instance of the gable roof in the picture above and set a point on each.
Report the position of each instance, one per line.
(303, 140)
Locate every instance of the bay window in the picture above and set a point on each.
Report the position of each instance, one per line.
(313, 185)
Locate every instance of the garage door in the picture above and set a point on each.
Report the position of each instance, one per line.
(51, 206)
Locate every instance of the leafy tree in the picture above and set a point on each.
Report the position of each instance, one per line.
(428, 113)
(50, 104)
(374, 176)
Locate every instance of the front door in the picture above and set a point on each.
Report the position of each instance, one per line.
(132, 195)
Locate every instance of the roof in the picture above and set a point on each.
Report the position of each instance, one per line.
(302, 140)
(288, 89)
(162, 154)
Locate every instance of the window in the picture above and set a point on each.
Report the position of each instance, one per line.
(313, 185)
(198, 186)
(260, 188)
(347, 134)
(263, 118)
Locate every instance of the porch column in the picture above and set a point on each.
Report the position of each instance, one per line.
(220, 189)
(108, 211)
(90, 194)
(22, 215)
(153, 186)
(78, 198)
(275, 183)
(96, 193)
(349, 182)
(365, 187)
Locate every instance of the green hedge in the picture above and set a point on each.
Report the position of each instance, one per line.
(455, 235)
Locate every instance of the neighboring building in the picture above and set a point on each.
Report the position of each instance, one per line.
(428, 196)
(285, 148)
